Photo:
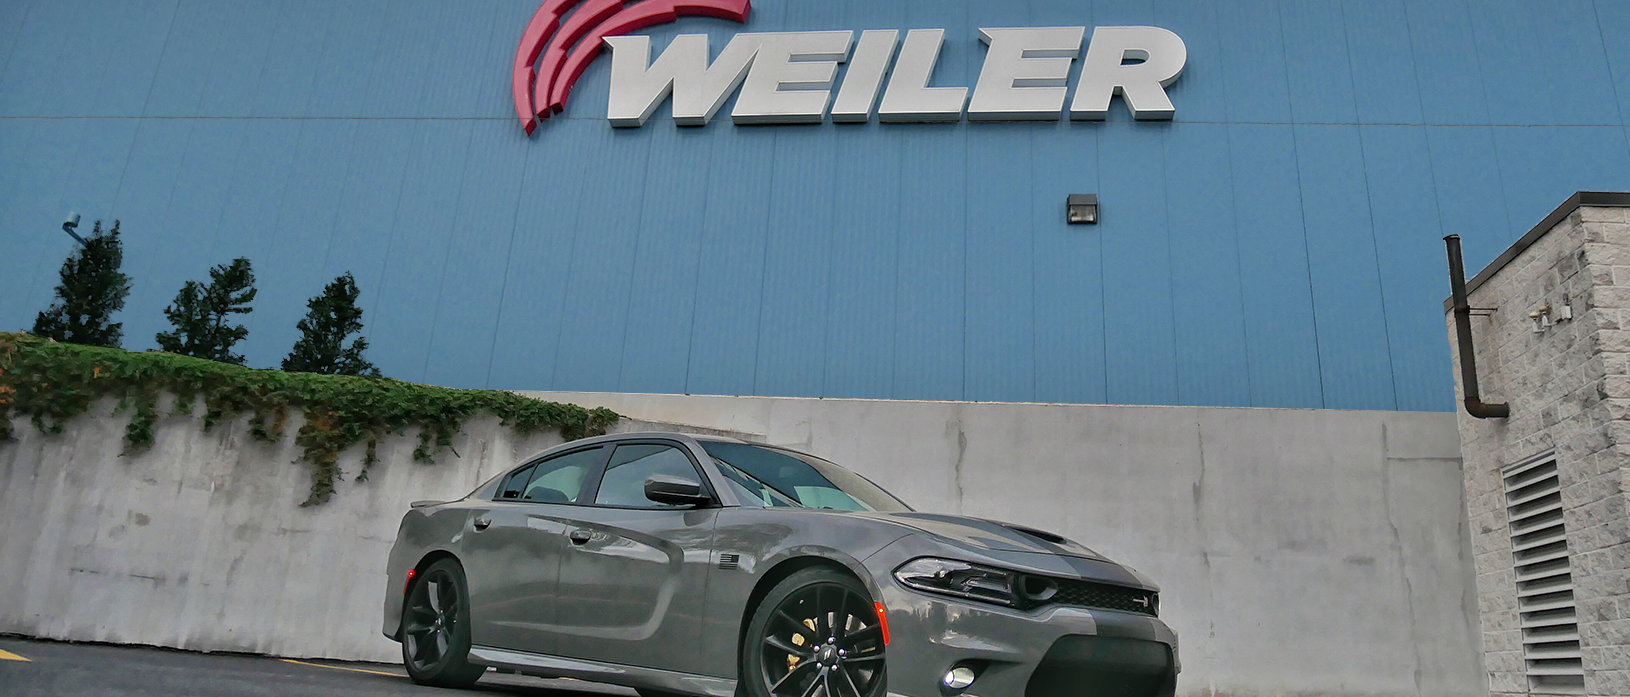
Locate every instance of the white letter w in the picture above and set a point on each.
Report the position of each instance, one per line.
(698, 89)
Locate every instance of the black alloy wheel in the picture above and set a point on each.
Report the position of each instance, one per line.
(436, 628)
(816, 634)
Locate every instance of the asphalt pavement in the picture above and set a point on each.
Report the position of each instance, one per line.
(31, 668)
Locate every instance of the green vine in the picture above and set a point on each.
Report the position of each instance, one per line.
(50, 383)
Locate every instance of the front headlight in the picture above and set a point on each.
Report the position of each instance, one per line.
(960, 579)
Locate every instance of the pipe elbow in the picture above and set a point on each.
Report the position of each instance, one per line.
(1481, 410)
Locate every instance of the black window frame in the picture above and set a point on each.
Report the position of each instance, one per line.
(591, 478)
(591, 493)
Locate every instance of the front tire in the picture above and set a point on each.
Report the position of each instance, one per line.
(436, 628)
(816, 634)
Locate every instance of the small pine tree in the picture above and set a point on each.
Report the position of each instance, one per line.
(334, 316)
(199, 314)
(92, 289)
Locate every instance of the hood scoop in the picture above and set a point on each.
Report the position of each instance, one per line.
(1042, 535)
(993, 535)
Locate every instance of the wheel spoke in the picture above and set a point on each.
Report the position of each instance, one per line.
(874, 649)
(789, 647)
(841, 624)
(802, 667)
(867, 658)
(797, 625)
(870, 633)
(441, 643)
(432, 589)
(820, 611)
(814, 685)
(847, 681)
(424, 648)
(449, 600)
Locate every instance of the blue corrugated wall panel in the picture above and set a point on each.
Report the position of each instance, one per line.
(797, 259)
(1614, 29)
(662, 299)
(1277, 245)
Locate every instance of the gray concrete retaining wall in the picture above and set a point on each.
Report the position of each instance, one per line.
(1302, 552)
(200, 543)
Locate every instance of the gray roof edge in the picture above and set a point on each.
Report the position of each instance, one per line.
(1611, 199)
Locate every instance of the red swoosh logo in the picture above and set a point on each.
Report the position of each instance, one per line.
(568, 41)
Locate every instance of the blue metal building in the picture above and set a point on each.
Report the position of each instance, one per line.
(1277, 244)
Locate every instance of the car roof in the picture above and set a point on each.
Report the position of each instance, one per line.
(670, 434)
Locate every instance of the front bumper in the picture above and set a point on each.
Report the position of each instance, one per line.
(1048, 652)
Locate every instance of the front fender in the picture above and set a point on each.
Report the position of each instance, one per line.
(761, 540)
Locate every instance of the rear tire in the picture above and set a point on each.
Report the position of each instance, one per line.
(436, 628)
(815, 634)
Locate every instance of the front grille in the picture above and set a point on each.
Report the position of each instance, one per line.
(1105, 596)
(1096, 666)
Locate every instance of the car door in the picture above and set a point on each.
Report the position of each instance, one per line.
(512, 549)
(633, 579)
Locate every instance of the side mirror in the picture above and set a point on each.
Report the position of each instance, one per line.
(675, 491)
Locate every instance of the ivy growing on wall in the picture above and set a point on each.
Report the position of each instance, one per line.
(50, 383)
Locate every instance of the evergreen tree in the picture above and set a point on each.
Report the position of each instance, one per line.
(334, 316)
(92, 289)
(200, 312)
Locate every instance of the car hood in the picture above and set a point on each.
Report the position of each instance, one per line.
(982, 534)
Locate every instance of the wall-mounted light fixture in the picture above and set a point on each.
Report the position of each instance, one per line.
(71, 224)
(1082, 209)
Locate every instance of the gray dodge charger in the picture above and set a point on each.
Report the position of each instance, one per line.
(694, 565)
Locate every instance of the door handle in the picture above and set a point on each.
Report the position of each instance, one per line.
(482, 523)
(580, 537)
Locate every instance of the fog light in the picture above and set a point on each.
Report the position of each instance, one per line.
(958, 678)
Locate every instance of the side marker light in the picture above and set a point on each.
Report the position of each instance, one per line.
(409, 583)
(883, 621)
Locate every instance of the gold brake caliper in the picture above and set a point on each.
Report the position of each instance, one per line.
(798, 640)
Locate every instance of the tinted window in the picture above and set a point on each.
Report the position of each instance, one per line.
(515, 483)
(631, 465)
(560, 479)
(773, 477)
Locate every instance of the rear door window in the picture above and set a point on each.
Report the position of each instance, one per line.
(560, 478)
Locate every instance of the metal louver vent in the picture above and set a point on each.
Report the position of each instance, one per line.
(1545, 604)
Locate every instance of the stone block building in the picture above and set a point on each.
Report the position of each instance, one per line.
(1546, 486)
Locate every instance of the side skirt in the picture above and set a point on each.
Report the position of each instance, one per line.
(595, 671)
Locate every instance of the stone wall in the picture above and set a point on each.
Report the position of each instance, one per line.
(1569, 391)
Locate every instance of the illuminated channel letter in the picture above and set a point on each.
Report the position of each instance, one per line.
(791, 78)
(1105, 73)
(909, 98)
(698, 89)
(865, 77)
(1026, 74)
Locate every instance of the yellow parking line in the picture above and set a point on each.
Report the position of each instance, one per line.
(9, 656)
(319, 665)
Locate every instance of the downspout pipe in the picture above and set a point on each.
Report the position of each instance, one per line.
(1463, 338)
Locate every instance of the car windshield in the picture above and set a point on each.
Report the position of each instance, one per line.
(771, 477)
